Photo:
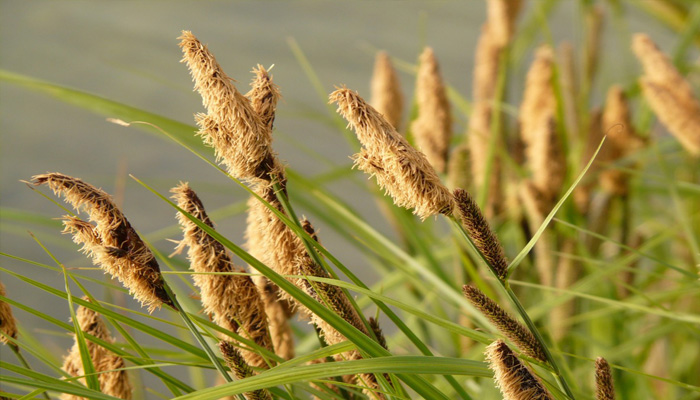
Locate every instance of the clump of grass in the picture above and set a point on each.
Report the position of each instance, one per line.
(603, 279)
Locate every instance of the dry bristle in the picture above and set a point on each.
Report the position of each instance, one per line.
(240, 138)
(113, 383)
(386, 90)
(400, 169)
(508, 326)
(8, 324)
(622, 140)
(604, 389)
(263, 96)
(501, 17)
(513, 378)
(232, 300)
(241, 369)
(669, 94)
(480, 233)
(432, 129)
(112, 243)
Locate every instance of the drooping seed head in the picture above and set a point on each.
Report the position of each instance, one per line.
(111, 241)
(513, 378)
(401, 170)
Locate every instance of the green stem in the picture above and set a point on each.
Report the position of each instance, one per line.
(20, 357)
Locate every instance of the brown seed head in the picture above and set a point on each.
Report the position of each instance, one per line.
(113, 383)
(111, 242)
(432, 129)
(232, 300)
(241, 369)
(458, 169)
(603, 380)
(263, 96)
(400, 169)
(547, 160)
(386, 90)
(480, 233)
(508, 326)
(539, 104)
(669, 94)
(513, 378)
(239, 136)
(8, 324)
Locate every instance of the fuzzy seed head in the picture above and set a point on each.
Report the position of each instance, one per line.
(603, 380)
(263, 96)
(239, 135)
(386, 90)
(505, 323)
(401, 170)
(241, 369)
(8, 324)
(110, 240)
(501, 18)
(432, 129)
(232, 300)
(480, 233)
(113, 383)
(513, 378)
(669, 94)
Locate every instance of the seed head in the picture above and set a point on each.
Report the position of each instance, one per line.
(513, 378)
(508, 326)
(239, 136)
(432, 129)
(111, 241)
(669, 94)
(603, 380)
(386, 90)
(232, 300)
(241, 369)
(400, 169)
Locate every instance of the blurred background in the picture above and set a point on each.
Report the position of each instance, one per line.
(127, 51)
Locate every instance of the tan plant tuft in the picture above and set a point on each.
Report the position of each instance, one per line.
(386, 90)
(232, 300)
(432, 129)
(111, 242)
(513, 378)
(239, 136)
(603, 380)
(501, 16)
(263, 96)
(505, 323)
(669, 94)
(480, 233)
(8, 324)
(401, 170)
(112, 377)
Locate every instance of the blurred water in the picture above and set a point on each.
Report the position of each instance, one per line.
(127, 51)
